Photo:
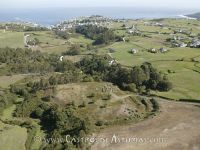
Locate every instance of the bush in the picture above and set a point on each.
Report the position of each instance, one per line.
(132, 87)
(155, 104)
(88, 79)
(38, 113)
(106, 97)
(83, 104)
(73, 51)
(99, 123)
(164, 86)
(91, 95)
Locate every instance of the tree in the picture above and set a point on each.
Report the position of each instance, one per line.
(164, 86)
(138, 76)
(74, 50)
(100, 35)
(132, 87)
(38, 112)
(62, 34)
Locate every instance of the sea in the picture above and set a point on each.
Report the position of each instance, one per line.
(52, 16)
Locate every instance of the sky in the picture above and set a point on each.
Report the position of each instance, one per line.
(190, 4)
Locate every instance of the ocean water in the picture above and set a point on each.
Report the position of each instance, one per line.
(52, 16)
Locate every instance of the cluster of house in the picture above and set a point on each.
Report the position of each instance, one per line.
(132, 30)
(152, 50)
(18, 24)
(161, 50)
(195, 43)
(185, 42)
(153, 24)
(182, 31)
(82, 21)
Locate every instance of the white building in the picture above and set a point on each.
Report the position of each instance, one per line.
(61, 58)
(162, 50)
(134, 51)
(182, 45)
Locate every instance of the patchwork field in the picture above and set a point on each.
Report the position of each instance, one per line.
(51, 43)
(57, 101)
(185, 76)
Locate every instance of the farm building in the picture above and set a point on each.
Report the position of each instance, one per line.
(134, 51)
(182, 45)
(195, 43)
(163, 50)
(153, 50)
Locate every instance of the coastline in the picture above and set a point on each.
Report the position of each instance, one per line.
(54, 16)
(187, 17)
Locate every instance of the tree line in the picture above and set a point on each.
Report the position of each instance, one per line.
(144, 76)
(100, 35)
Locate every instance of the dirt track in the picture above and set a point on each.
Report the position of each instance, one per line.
(176, 127)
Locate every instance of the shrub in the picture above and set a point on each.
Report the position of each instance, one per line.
(132, 87)
(106, 97)
(99, 123)
(73, 51)
(155, 104)
(88, 79)
(83, 104)
(38, 113)
(164, 86)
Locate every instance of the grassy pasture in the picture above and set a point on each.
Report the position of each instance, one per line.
(173, 54)
(80, 39)
(11, 39)
(185, 86)
(186, 73)
(6, 81)
(185, 79)
(12, 137)
(50, 43)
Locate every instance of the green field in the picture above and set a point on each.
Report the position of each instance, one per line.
(11, 39)
(51, 43)
(6, 81)
(12, 137)
(15, 134)
(186, 73)
(185, 79)
(11, 133)
(85, 87)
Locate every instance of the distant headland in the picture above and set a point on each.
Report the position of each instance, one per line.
(195, 15)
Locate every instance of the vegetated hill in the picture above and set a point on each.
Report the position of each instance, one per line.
(103, 102)
(195, 15)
